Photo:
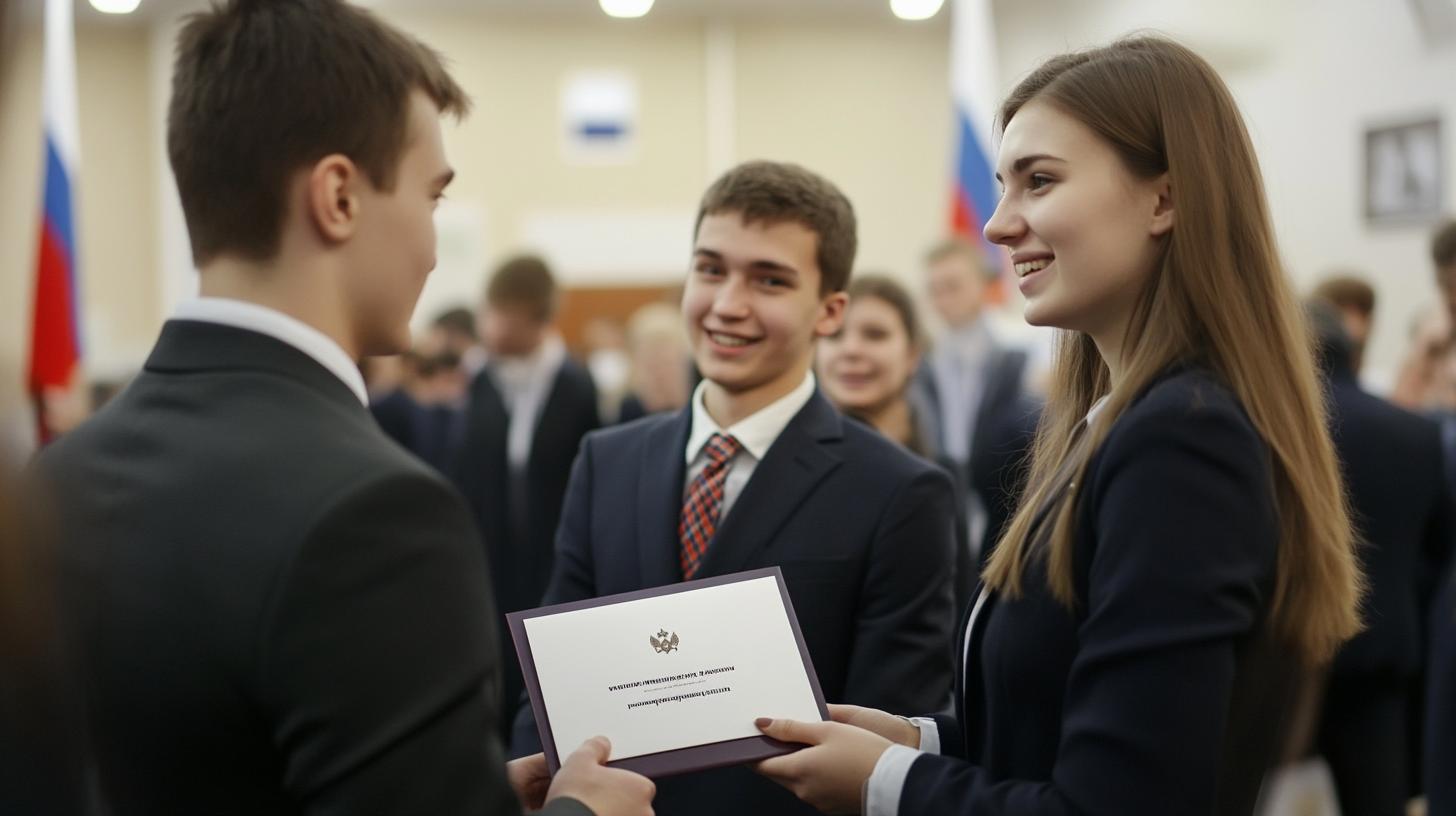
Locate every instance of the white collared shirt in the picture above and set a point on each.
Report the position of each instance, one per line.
(241, 314)
(524, 384)
(756, 433)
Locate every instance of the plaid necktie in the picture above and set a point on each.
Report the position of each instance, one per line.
(700, 511)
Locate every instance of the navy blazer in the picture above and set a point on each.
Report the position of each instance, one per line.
(1006, 420)
(862, 530)
(1161, 692)
(1393, 472)
(1440, 736)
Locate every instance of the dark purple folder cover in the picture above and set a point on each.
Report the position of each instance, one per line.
(682, 760)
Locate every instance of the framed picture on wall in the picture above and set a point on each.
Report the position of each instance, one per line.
(1403, 172)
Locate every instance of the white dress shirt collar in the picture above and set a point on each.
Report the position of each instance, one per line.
(755, 432)
(273, 323)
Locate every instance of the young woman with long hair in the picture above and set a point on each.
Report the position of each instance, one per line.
(1183, 547)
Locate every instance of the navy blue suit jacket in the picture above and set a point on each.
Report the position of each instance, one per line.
(862, 530)
(1440, 747)
(1160, 693)
(1393, 470)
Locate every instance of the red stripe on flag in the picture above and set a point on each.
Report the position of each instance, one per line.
(53, 351)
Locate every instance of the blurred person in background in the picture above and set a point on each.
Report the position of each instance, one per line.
(454, 330)
(424, 408)
(1354, 298)
(1440, 719)
(1427, 381)
(974, 390)
(525, 415)
(866, 370)
(604, 342)
(661, 377)
(1402, 513)
(868, 365)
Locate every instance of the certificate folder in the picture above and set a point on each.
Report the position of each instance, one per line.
(674, 676)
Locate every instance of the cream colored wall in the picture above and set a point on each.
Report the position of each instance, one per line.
(115, 203)
(866, 104)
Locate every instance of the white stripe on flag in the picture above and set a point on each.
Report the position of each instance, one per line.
(973, 72)
(60, 84)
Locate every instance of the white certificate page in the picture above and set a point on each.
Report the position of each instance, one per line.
(673, 671)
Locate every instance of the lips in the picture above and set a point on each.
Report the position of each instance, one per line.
(1024, 268)
(729, 342)
(1030, 272)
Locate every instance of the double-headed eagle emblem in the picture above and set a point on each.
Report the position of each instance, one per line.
(662, 642)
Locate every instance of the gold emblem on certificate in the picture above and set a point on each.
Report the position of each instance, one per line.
(662, 642)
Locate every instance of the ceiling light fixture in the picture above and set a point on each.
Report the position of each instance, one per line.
(626, 8)
(915, 9)
(115, 6)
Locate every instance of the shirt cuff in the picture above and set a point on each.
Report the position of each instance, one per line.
(929, 734)
(882, 791)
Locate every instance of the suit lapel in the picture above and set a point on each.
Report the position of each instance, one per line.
(659, 500)
(794, 465)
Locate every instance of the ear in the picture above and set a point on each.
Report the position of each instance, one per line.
(831, 314)
(333, 200)
(1163, 214)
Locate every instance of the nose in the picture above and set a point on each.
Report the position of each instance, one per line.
(1006, 225)
(731, 299)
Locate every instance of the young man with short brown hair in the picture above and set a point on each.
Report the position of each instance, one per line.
(276, 609)
(760, 470)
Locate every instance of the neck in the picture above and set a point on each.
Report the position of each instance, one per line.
(893, 420)
(1111, 351)
(728, 408)
(295, 291)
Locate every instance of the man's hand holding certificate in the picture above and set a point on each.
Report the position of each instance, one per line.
(675, 677)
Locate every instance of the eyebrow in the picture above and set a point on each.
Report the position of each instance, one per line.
(758, 265)
(1026, 161)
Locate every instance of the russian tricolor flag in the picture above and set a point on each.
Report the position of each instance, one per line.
(974, 91)
(55, 351)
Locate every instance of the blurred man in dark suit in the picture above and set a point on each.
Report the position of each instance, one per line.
(1394, 475)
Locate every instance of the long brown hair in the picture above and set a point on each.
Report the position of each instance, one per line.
(1218, 295)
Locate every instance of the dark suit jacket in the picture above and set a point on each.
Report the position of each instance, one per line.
(1440, 742)
(1000, 443)
(278, 610)
(861, 529)
(1161, 692)
(1392, 465)
(517, 518)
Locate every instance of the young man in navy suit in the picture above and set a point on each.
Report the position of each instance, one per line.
(759, 470)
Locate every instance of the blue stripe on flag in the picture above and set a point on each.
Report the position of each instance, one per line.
(974, 173)
(58, 199)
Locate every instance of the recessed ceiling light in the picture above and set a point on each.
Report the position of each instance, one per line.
(915, 9)
(115, 6)
(626, 8)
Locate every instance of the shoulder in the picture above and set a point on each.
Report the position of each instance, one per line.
(1191, 415)
(1355, 409)
(575, 375)
(1189, 400)
(639, 435)
(867, 452)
